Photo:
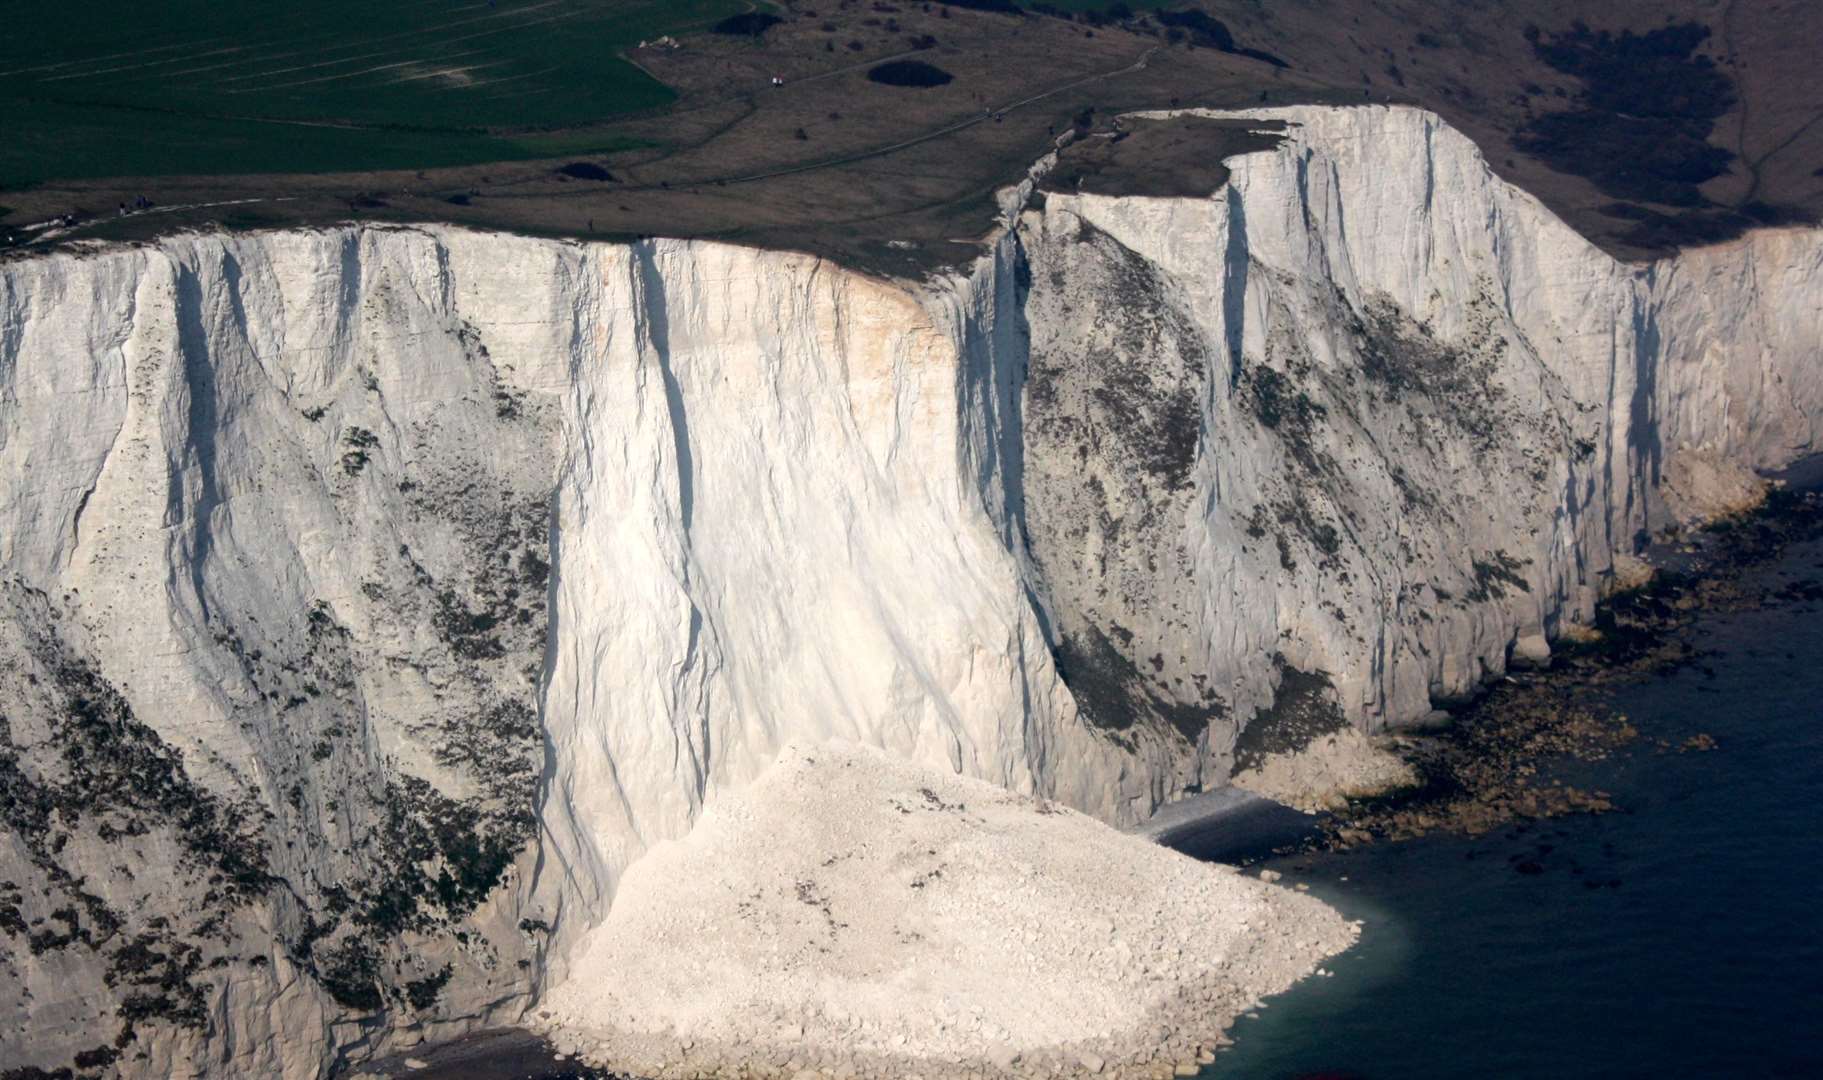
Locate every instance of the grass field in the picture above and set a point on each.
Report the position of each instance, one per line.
(111, 88)
(458, 111)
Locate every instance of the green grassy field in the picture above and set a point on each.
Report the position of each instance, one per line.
(110, 88)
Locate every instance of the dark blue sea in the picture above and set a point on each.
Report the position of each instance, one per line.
(1681, 936)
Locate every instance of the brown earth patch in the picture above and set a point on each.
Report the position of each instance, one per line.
(900, 180)
(1182, 157)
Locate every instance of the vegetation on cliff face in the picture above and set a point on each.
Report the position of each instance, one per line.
(353, 773)
(78, 769)
(1303, 710)
(1113, 426)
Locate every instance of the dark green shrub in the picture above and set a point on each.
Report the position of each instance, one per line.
(913, 73)
(747, 24)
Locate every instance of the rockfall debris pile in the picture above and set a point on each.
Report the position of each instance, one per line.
(855, 912)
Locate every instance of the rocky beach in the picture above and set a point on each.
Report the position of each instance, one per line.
(1663, 936)
(1481, 772)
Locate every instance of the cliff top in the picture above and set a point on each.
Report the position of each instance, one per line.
(876, 132)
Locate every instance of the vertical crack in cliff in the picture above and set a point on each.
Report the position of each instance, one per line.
(654, 307)
(200, 430)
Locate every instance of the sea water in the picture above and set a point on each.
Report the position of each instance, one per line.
(1680, 936)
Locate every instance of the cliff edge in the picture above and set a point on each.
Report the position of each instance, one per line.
(374, 598)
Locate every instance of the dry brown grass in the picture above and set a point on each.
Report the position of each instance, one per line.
(877, 164)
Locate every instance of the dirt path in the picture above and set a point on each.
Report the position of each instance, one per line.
(1753, 165)
(1758, 163)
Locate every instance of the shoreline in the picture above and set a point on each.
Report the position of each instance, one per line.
(1643, 626)
(1228, 824)
(1715, 794)
(1480, 772)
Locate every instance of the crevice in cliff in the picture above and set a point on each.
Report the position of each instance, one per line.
(1647, 437)
(1236, 264)
(655, 309)
(199, 377)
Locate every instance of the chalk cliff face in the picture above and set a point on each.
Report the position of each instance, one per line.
(1426, 416)
(374, 597)
(276, 542)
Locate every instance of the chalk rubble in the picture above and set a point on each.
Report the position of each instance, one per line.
(853, 910)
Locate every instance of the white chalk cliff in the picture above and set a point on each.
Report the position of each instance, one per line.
(373, 597)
